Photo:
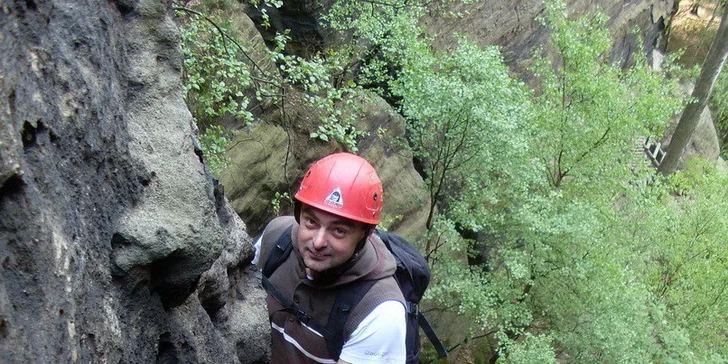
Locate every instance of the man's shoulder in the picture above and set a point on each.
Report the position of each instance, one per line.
(271, 234)
(386, 289)
(276, 226)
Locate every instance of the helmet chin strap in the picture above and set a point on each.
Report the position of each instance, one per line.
(368, 230)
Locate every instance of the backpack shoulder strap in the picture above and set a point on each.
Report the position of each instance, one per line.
(279, 254)
(301, 315)
(348, 297)
(430, 332)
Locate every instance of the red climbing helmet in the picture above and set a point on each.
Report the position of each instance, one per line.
(343, 184)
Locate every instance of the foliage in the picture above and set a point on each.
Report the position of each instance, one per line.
(533, 349)
(569, 248)
(222, 80)
(692, 274)
(276, 202)
(587, 256)
(590, 113)
(469, 293)
(215, 82)
(467, 123)
(382, 35)
(216, 78)
(214, 142)
(584, 284)
(313, 77)
(598, 276)
(263, 6)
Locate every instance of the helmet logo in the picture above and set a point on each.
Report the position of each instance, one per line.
(335, 199)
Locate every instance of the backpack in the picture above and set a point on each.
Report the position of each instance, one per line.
(412, 276)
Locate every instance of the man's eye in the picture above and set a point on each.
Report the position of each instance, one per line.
(309, 221)
(340, 232)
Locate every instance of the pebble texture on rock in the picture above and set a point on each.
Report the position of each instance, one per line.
(116, 245)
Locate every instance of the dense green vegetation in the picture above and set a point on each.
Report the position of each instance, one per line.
(588, 256)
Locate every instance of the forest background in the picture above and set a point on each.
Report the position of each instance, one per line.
(550, 235)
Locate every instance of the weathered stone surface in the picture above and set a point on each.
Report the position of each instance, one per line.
(513, 25)
(108, 218)
(703, 144)
(721, 164)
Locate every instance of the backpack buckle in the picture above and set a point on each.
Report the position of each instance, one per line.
(413, 308)
(302, 316)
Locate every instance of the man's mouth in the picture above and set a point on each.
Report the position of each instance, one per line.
(317, 256)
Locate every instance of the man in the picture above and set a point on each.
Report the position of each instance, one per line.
(338, 204)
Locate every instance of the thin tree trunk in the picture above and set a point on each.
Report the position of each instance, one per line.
(694, 8)
(712, 66)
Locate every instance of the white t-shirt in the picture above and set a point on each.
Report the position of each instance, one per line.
(374, 340)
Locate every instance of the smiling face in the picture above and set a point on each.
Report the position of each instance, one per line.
(326, 240)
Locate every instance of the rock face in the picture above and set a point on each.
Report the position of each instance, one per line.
(703, 143)
(514, 25)
(116, 245)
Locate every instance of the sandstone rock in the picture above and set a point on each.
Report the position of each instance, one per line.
(108, 217)
(721, 164)
(514, 26)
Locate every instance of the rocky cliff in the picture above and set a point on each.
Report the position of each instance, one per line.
(514, 25)
(116, 245)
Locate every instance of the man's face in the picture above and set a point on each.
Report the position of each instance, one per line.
(326, 240)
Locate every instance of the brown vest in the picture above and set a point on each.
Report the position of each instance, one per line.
(293, 342)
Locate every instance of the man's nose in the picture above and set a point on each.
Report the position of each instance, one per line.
(319, 239)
